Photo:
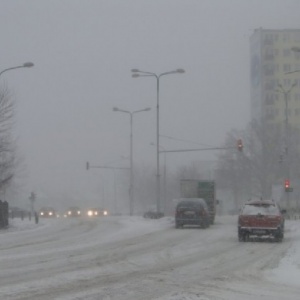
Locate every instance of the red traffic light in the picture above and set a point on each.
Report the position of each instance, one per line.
(240, 145)
(287, 183)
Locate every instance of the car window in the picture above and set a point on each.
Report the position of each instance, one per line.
(263, 209)
(190, 204)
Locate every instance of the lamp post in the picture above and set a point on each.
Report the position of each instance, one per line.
(25, 65)
(139, 73)
(287, 133)
(165, 175)
(131, 113)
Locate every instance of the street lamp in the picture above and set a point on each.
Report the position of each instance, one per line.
(131, 113)
(165, 174)
(139, 73)
(25, 65)
(286, 96)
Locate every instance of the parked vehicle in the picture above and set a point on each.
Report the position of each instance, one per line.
(204, 189)
(17, 212)
(261, 218)
(47, 212)
(192, 211)
(150, 214)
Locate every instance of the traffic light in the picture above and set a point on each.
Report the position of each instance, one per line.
(287, 185)
(240, 145)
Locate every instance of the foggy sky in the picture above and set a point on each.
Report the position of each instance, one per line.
(83, 52)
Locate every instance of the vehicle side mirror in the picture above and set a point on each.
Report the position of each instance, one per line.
(283, 211)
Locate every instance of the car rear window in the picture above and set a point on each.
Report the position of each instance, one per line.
(263, 209)
(189, 204)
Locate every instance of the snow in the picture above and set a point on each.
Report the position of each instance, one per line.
(136, 258)
(288, 270)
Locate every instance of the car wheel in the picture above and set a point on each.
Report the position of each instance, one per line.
(208, 223)
(242, 237)
(279, 237)
(178, 225)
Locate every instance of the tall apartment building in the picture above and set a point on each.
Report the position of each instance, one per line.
(272, 58)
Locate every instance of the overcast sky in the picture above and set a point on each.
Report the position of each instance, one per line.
(83, 51)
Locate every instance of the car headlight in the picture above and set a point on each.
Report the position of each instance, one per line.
(105, 213)
(50, 213)
(90, 213)
(42, 213)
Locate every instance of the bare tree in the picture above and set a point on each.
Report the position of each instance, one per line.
(253, 171)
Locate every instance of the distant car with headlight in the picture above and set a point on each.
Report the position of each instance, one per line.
(97, 212)
(73, 211)
(47, 212)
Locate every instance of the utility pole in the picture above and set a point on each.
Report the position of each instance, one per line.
(286, 94)
(32, 199)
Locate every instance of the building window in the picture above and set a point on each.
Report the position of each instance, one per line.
(269, 69)
(269, 99)
(286, 37)
(268, 86)
(296, 37)
(286, 67)
(286, 52)
(288, 112)
(297, 67)
(297, 55)
(297, 97)
(287, 82)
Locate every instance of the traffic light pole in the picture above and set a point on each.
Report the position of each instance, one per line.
(287, 138)
(196, 149)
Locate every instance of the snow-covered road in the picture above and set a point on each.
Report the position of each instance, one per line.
(132, 258)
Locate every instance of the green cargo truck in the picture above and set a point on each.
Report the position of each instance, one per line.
(205, 189)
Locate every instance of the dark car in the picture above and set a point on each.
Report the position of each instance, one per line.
(47, 212)
(73, 211)
(261, 218)
(150, 214)
(192, 211)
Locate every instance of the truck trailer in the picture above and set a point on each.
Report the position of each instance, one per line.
(204, 189)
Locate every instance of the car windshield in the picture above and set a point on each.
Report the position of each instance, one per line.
(262, 209)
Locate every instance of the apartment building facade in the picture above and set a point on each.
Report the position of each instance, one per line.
(275, 85)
